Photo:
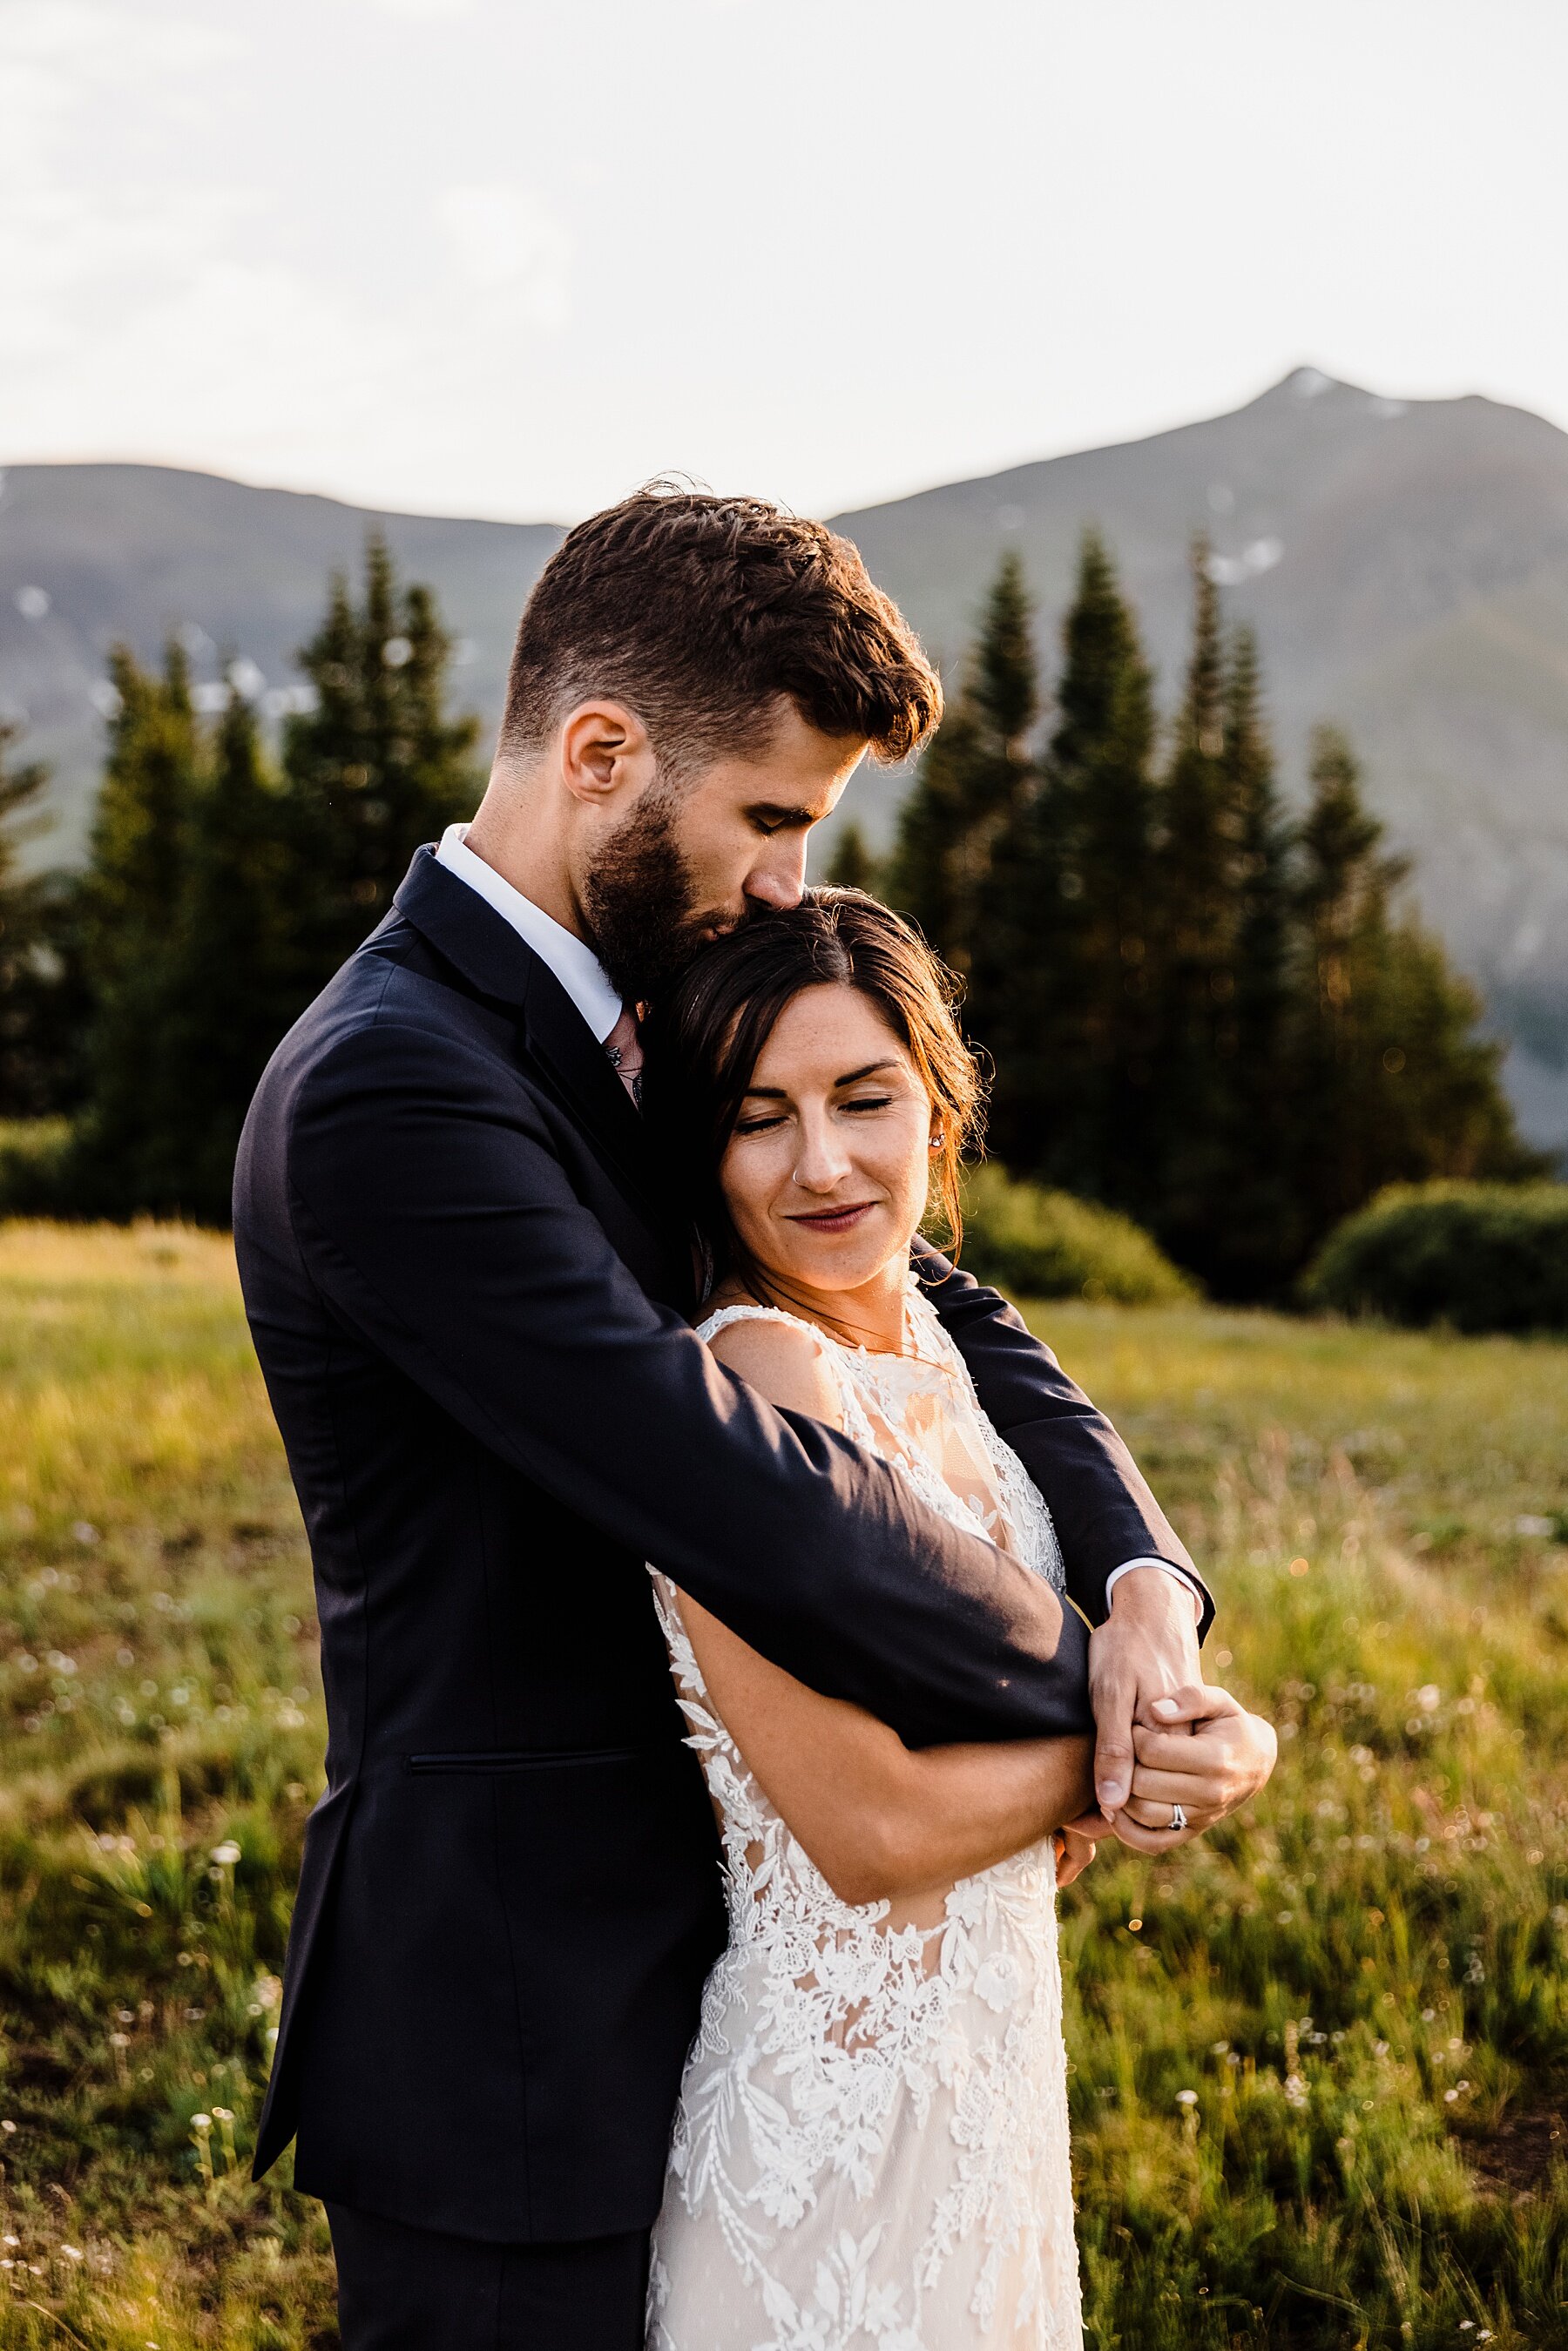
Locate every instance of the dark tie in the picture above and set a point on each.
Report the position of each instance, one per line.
(625, 1051)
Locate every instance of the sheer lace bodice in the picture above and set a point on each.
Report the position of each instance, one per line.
(871, 2147)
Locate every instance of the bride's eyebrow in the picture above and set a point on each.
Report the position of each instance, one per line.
(778, 1094)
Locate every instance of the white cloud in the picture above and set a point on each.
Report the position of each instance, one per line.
(154, 307)
(132, 318)
(76, 254)
(75, 268)
(96, 40)
(505, 240)
(337, 244)
(422, 11)
(54, 54)
(260, 352)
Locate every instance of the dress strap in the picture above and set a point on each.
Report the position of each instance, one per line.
(725, 1315)
(856, 1426)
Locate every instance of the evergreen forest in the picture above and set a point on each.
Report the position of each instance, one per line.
(223, 889)
(1204, 1008)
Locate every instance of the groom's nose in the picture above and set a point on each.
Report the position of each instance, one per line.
(779, 880)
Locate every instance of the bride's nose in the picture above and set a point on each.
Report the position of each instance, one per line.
(821, 1161)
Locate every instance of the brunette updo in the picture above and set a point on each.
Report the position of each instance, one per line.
(703, 1041)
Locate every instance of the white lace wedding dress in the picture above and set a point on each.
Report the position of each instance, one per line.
(871, 2147)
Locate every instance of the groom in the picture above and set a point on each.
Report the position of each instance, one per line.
(471, 1293)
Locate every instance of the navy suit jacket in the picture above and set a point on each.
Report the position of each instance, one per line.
(471, 1297)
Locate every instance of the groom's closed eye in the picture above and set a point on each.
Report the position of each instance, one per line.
(767, 818)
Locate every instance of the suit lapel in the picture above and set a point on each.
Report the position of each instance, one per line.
(583, 1074)
(498, 964)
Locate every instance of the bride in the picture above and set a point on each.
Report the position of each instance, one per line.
(872, 2142)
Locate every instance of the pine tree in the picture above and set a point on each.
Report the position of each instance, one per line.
(1196, 982)
(234, 988)
(36, 997)
(1343, 886)
(138, 830)
(1391, 1082)
(852, 865)
(130, 917)
(971, 779)
(1061, 991)
(1247, 1238)
(20, 788)
(925, 873)
(1257, 823)
(378, 767)
(1006, 683)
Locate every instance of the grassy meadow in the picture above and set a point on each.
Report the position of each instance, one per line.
(1320, 2063)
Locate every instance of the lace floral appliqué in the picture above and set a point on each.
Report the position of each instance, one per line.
(871, 2147)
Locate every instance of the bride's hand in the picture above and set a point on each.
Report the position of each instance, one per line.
(1207, 1754)
(1075, 1843)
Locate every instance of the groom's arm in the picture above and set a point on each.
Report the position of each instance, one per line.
(437, 1220)
(1111, 1528)
(1106, 1519)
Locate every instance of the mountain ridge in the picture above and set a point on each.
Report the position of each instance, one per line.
(1405, 564)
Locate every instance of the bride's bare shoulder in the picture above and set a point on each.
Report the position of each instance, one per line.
(785, 1362)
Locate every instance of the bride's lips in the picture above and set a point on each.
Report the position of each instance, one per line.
(834, 1220)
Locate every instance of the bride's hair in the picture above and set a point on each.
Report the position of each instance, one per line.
(703, 1041)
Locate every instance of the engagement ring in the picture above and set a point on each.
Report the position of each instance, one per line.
(1178, 1818)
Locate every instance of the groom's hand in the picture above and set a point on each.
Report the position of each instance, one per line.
(1146, 1648)
(1205, 1752)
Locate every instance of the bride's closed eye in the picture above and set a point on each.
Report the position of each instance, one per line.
(764, 1121)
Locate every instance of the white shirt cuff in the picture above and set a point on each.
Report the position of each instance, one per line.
(1180, 1574)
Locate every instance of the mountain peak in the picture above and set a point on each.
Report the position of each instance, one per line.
(1309, 383)
(1311, 387)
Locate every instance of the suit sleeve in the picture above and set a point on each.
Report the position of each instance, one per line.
(437, 1220)
(1104, 1510)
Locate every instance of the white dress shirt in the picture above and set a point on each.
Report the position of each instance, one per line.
(582, 976)
(574, 964)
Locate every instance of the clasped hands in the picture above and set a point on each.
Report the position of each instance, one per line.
(1163, 1737)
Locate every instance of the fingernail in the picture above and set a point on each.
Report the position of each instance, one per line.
(1165, 1706)
(1111, 1793)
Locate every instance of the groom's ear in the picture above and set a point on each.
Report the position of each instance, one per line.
(606, 756)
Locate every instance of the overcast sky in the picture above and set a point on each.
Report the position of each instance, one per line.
(507, 258)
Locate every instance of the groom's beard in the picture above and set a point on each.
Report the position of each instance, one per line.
(640, 904)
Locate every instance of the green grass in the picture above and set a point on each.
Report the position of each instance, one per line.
(159, 1708)
(1363, 1985)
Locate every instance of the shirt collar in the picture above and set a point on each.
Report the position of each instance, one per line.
(574, 964)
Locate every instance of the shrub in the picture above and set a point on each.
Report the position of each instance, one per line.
(33, 1152)
(1480, 1257)
(1042, 1244)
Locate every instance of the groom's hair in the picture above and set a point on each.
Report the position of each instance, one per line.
(699, 613)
